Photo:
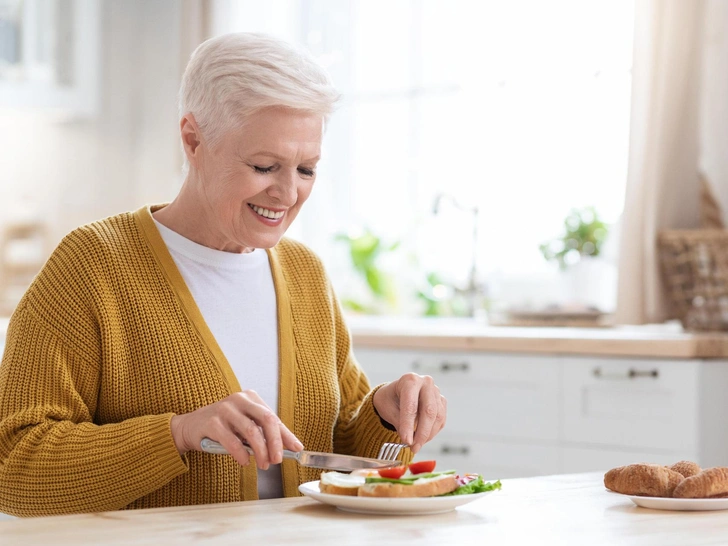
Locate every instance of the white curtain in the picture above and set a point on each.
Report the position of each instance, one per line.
(663, 175)
(714, 102)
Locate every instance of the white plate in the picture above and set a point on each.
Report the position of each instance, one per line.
(664, 503)
(389, 506)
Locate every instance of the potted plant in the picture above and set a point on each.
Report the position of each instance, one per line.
(392, 282)
(577, 251)
(583, 236)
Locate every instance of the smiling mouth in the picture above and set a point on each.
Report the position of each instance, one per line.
(265, 213)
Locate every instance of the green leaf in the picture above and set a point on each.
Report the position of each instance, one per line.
(477, 485)
(375, 280)
(364, 250)
(583, 232)
(354, 305)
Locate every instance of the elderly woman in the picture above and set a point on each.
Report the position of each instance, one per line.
(148, 331)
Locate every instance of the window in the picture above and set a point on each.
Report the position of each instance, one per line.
(519, 108)
(49, 56)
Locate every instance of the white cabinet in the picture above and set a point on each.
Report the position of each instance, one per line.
(499, 396)
(590, 459)
(495, 459)
(631, 403)
(617, 411)
(525, 415)
(503, 410)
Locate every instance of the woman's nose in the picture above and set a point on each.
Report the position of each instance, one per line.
(285, 188)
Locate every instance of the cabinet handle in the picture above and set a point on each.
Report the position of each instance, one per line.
(630, 374)
(454, 366)
(445, 366)
(454, 450)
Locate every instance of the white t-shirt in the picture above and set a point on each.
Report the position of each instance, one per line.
(237, 299)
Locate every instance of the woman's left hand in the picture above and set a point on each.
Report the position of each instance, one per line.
(414, 406)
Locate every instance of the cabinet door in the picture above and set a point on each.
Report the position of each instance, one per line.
(384, 365)
(632, 403)
(579, 459)
(493, 459)
(501, 396)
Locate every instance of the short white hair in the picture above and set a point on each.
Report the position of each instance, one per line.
(232, 76)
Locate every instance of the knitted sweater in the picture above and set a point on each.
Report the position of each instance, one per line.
(108, 344)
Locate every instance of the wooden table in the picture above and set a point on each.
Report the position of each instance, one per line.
(566, 509)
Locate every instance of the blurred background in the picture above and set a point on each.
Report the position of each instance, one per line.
(504, 160)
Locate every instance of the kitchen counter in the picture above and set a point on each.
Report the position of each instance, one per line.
(658, 341)
(662, 341)
(564, 509)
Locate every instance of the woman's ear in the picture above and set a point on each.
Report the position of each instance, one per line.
(191, 138)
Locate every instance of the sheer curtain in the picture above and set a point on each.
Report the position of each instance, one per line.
(663, 173)
(714, 102)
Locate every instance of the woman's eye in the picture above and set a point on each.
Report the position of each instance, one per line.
(262, 170)
(306, 172)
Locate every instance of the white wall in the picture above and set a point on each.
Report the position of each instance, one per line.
(74, 171)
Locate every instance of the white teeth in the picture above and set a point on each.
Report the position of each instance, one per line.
(267, 213)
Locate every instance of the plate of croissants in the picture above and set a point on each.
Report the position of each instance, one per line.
(681, 486)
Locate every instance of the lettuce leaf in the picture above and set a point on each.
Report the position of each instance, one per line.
(478, 485)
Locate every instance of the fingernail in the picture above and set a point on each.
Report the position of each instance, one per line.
(299, 445)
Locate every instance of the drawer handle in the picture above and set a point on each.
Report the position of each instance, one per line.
(454, 366)
(631, 374)
(444, 366)
(455, 450)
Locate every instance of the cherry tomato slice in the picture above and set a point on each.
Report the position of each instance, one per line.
(394, 473)
(422, 466)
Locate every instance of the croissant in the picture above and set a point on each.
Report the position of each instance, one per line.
(712, 482)
(648, 480)
(686, 468)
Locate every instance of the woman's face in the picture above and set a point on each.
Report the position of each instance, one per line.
(253, 183)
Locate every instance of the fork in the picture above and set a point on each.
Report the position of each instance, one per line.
(390, 451)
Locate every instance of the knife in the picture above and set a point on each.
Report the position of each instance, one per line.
(314, 459)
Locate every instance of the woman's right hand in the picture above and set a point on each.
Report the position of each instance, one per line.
(240, 416)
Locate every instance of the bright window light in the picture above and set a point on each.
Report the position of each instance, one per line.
(519, 108)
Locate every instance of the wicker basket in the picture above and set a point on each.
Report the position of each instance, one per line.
(695, 270)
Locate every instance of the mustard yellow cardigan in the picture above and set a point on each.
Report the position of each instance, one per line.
(108, 344)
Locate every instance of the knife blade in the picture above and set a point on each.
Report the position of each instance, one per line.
(313, 459)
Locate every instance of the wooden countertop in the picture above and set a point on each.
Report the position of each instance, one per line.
(567, 509)
(468, 335)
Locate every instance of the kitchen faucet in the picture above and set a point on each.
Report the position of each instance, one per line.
(473, 289)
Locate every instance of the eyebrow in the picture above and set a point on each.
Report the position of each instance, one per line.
(281, 158)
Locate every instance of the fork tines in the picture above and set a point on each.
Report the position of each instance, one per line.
(390, 451)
